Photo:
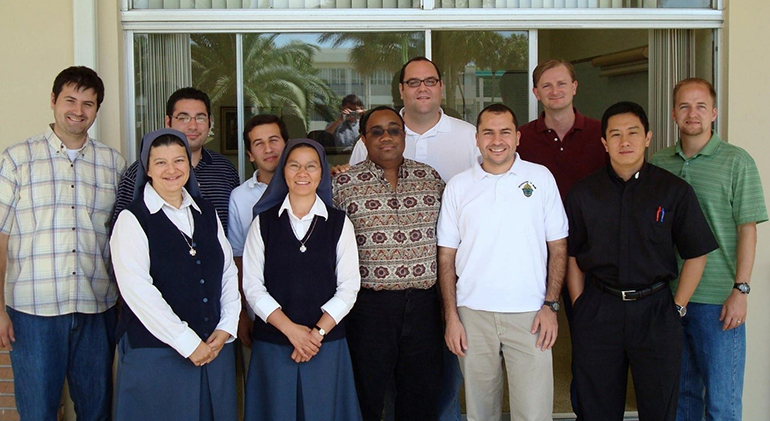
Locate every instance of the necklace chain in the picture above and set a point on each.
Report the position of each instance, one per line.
(302, 247)
(189, 242)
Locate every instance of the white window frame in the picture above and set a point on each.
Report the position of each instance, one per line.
(245, 21)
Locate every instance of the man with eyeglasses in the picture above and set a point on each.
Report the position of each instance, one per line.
(189, 111)
(394, 330)
(432, 137)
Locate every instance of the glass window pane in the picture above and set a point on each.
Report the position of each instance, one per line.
(480, 68)
(303, 78)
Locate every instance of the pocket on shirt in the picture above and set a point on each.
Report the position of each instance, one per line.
(658, 232)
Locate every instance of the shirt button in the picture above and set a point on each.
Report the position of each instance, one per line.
(205, 300)
(561, 149)
(687, 163)
(72, 185)
(72, 207)
(73, 228)
(555, 139)
(197, 262)
(73, 250)
(203, 281)
(205, 319)
(74, 273)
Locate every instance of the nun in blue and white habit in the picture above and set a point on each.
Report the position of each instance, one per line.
(301, 278)
(179, 284)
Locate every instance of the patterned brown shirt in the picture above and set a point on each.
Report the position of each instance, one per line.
(395, 229)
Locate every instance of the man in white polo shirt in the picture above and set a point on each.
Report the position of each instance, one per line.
(502, 223)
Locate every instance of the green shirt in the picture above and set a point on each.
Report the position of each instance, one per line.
(726, 181)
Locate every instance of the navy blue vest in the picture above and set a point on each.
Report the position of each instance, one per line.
(191, 285)
(300, 282)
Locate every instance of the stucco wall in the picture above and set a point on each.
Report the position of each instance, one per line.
(749, 127)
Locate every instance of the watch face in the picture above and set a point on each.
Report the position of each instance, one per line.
(555, 306)
(744, 288)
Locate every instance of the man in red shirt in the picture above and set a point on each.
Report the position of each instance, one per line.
(563, 140)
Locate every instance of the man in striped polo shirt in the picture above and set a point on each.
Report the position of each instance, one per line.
(726, 181)
(189, 111)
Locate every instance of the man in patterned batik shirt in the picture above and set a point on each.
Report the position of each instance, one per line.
(394, 329)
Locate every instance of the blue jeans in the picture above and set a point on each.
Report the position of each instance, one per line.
(79, 347)
(713, 363)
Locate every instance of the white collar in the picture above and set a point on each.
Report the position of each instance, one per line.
(479, 173)
(154, 202)
(253, 182)
(318, 208)
(443, 125)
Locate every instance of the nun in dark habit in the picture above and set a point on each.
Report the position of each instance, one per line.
(301, 278)
(177, 278)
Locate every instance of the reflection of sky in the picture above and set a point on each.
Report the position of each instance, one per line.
(312, 39)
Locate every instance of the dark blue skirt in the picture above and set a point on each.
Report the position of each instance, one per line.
(160, 384)
(322, 389)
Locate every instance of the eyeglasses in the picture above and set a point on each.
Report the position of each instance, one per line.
(295, 167)
(413, 83)
(185, 118)
(378, 132)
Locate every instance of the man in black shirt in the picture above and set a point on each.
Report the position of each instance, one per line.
(626, 223)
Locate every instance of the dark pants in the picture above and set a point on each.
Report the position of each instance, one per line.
(397, 334)
(608, 336)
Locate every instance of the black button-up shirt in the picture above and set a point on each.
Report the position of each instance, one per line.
(626, 233)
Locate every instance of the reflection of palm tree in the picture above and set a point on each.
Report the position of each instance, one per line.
(280, 78)
(452, 52)
(371, 52)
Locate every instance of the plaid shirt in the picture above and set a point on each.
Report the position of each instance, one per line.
(56, 212)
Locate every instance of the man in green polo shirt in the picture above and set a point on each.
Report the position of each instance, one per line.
(726, 181)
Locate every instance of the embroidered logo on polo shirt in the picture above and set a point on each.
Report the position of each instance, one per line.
(527, 188)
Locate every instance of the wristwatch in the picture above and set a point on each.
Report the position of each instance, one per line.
(321, 331)
(553, 305)
(743, 287)
(682, 310)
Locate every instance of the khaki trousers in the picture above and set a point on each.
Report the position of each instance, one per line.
(493, 337)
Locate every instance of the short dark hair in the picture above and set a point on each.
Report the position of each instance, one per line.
(625, 107)
(695, 81)
(261, 119)
(83, 78)
(498, 108)
(187, 93)
(368, 113)
(420, 58)
(352, 99)
(550, 64)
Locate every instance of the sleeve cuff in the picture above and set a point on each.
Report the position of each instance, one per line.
(335, 308)
(265, 307)
(185, 345)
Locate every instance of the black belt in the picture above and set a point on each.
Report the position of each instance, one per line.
(631, 294)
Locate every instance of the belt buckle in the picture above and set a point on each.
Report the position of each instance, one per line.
(623, 295)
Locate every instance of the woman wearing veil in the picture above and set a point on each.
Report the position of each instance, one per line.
(176, 275)
(300, 276)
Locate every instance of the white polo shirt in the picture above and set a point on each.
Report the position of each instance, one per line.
(499, 225)
(449, 146)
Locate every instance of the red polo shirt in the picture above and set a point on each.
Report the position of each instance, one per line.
(571, 159)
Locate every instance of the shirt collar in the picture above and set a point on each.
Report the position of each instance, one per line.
(479, 173)
(641, 174)
(57, 144)
(444, 125)
(253, 182)
(318, 208)
(206, 156)
(580, 121)
(711, 146)
(154, 202)
(379, 172)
